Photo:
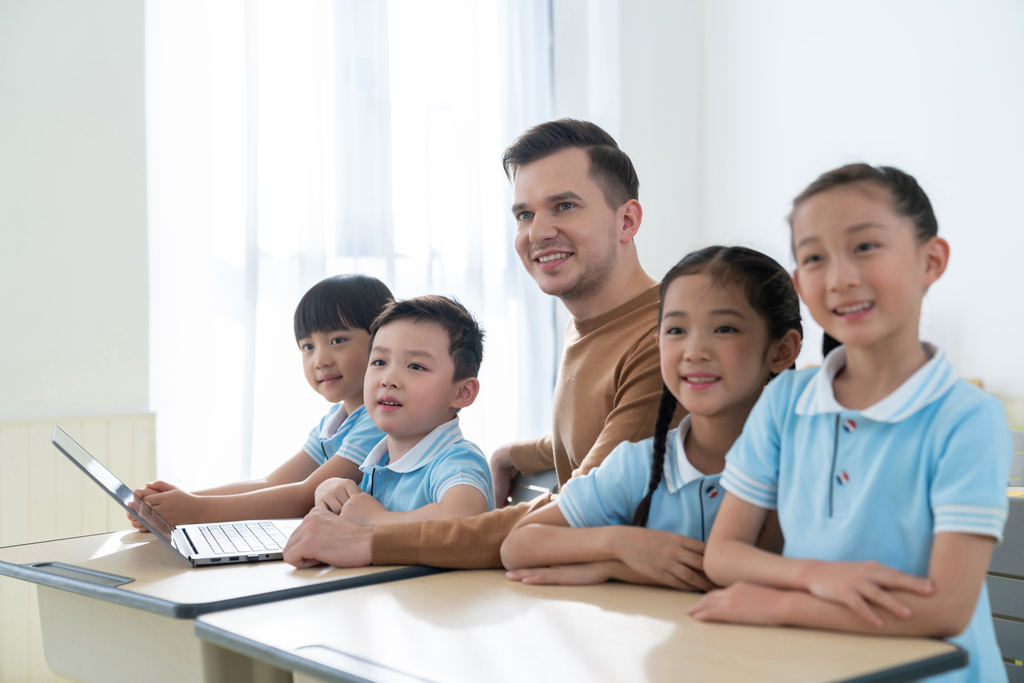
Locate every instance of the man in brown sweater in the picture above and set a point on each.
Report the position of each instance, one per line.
(575, 203)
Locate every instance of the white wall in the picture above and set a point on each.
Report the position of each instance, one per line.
(73, 262)
(731, 107)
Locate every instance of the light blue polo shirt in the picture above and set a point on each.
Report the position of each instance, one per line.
(442, 459)
(685, 503)
(338, 433)
(879, 483)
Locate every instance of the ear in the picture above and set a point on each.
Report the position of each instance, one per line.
(657, 339)
(796, 283)
(782, 354)
(468, 390)
(631, 214)
(936, 254)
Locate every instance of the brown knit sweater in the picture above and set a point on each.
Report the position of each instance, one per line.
(607, 392)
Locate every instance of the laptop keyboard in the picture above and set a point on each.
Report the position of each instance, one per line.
(244, 537)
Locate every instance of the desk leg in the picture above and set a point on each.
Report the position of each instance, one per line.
(95, 641)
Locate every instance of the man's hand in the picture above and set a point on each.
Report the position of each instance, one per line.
(150, 488)
(741, 603)
(664, 557)
(324, 537)
(332, 494)
(858, 585)
(503, 473)
(363, 509)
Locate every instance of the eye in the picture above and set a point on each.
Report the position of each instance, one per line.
(524, 215)
(338, 340)
(378, 362)
(564, 206)
(675, 330)
(416, 366)
(306, 347)
(811, 259)
(725, 329)
(866, 246)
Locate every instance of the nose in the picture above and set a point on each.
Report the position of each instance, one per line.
(842, 274)
(321, 358)
(388, 377)
(542, 228)
(696, 346)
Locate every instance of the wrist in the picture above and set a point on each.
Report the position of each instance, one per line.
(803, 577)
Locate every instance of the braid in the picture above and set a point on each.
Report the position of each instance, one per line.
(666, 408)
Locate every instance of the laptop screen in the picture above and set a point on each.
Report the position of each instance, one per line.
(102, 476)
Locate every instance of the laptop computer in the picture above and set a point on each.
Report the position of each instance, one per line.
(199, 544)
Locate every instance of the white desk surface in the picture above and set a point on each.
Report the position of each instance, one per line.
(471, 626)
(162, 582)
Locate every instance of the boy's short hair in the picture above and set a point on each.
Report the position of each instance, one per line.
(610, 167)
(465, 337)
(349, 302)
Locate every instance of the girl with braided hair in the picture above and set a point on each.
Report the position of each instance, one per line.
(729, 320)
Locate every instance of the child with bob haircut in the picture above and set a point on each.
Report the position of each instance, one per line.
(425, 354)
(729, 321)
(332, 328)
(888, 472)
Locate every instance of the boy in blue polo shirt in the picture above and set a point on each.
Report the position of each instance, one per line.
(424, 357)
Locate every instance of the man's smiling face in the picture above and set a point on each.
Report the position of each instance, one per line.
(567, 236)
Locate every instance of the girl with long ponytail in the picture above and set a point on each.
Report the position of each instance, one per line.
(729, 321)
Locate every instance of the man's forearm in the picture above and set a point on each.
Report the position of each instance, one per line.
(464, 543)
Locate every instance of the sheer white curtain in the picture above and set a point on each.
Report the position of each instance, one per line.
(291, 141)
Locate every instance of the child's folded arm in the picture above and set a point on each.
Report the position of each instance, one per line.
(458, 501)
(957, 569)
(543, 538)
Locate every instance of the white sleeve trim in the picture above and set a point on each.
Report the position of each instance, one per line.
(748, 489)
(466, 479)
(573, 515)
(970, 519)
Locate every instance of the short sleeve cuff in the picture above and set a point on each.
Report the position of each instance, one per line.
(468, 478)
(748, 489)
(970, 519)
(567, 504)
(350, 452)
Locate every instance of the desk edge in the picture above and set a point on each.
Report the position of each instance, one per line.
(177, 610)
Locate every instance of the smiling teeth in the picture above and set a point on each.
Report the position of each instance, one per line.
(551, 257)
(389, 403)
(856, 308)
(700, 380)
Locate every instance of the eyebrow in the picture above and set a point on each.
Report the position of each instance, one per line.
(859, 227)
(416, 353)
(553, 199)
(717, 311)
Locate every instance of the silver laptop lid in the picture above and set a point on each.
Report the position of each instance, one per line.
(121, 493)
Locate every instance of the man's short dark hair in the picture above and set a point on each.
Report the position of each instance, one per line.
(610, 167)
(465, 338)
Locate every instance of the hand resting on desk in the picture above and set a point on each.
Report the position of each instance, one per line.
(324, 537)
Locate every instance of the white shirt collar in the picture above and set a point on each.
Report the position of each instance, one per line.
(438, 441)
(680, 471)
(333, 422)
(921, 389)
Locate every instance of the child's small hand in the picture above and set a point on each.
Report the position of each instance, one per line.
(666, 558)
(584, 574)
(362, 509)
(176, 506)
(332, 494)
(741, 603)
(858, 585)
(149, 489)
